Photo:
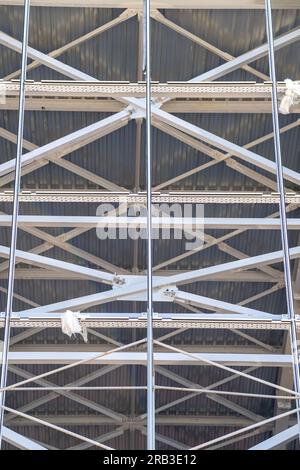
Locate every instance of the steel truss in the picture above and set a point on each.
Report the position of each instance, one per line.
(186, 97)
(127, 103)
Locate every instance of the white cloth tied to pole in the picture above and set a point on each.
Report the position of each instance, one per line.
(70, 325)
(290, 96)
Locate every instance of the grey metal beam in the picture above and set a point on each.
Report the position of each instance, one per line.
(219, 157)
(80, 40)
(86, 316)
(103, 106)
(162, 222)
(285, 379)
(219, 142)
(102, 438)
(69, 166)
(44, 59)
(246, 97)
(19, 441)
(216, 156)
(165, 4)
(166, 440)
(224, 106)
(55, 264)
(71, 142)
(169, 320)
(238, 265)
(192, 276)
(179, 197)
(167, 420)
(140, 358)
(229, 90)
(281, 438)
(248, 57)
(211, 303)
(169, 119)
(117, 417)
(44, 274)
(101, 348)
(219, 399)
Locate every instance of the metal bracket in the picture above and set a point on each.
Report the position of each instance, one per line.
(118, 281)
(155, 315)
(136, 113)
(170, 291)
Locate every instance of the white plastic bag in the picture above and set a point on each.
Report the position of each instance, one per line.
(70, 325)
(290, 96)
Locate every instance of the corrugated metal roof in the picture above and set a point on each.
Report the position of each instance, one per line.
(113, 56)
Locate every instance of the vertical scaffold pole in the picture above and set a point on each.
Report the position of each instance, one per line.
(15, 214)
(150, 364)
(282, 210)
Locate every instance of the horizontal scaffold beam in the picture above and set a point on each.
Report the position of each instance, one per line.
(160, 358)
(161, 320)
(157, 222)
(179, 197)
(103, 348)
(226, 97)
(176, 106)
(165, 4)
(178, 420)
(45, 274)
(73, 89)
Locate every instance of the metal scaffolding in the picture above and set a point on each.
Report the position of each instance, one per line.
(137, 312)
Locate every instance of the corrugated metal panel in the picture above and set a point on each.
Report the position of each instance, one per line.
(232, 31)
(112, 156)
(113, 56)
